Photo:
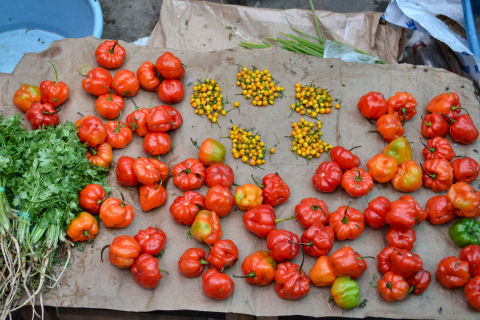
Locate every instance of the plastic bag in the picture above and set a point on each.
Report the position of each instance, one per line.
(346, 53)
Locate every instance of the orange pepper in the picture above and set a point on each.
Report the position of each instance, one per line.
(123, 251)
(26, 96)
(408, 177)
(463, 197)
(114, 213)
(83, 228)
(248, 196)
(102, 156)
(322, 273)
(382, 167)
(390, 127)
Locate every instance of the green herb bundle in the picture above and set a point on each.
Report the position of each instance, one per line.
(41, 175)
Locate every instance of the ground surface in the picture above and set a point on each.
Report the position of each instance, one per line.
(129, 20)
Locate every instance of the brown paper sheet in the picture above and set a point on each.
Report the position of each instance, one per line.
(91, 283)
(206, 26)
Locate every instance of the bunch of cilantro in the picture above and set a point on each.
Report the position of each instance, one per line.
(42, 173)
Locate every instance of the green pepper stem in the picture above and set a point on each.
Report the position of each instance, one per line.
(410, 289)
(202, 261)
(109, 93)
(121, 194)
(449, 118)
(358, 178)
(365, 257)
(134, 103)
(345, 219)
(250, 275)
(261, 186)
(428, 124)
(431, 175)
(310, 244)
(195, 144)
(284, 219)
(432, 150)
(164, 271)
(112, 50)
(55, 70)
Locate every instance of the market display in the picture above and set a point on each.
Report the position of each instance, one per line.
(296, 240)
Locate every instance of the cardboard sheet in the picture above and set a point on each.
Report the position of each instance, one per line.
(206, 26)
(93, 284)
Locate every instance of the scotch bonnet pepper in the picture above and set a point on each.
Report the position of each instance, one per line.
(146, 271)
(310, 211)
(317, 240)
(151, 240)
(322, 273)
(447, 103)
(472, 292)
(327, 177)
(42, 115)
(440, 210)
(465, 232)
(399, 149)
(217, 285)
(184, 208)
(211, 152)
(26, 96)
(434, 125)
(393, 287)
(206, 227)
(275, 190)
(347, 223)
(346, 292)
(291, 281)
(261, 220)
(465, 199)
(84, 227)
(382, 168)
(465, 169)
(376, 212)
(437, 174)
(403, 105)
(123, 251)
(408, 177)
(372, 105)
(347, 262)
(192, 263)
(248, 196)
(344, 157)
(259, 268)
(390, 127)
(438, 148)
(283, 244)
(188, 174)
(223, 254)
(357, 182)
(452, 272)
(471, 254)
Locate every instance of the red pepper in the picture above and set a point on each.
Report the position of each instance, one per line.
(220, 200)
(54, 93)
(109, 105)
(419, 281)
(472, 292)
(291, 281)
(185, 208)
(217, 285)
(390, 127)
(401, 238)
(438, 148)
(434, 125)
(393, 287)
(171, 91)
(192, 263)
(347, 262)
(125, 83)
(42, 115)
(403, 214)
(327, 176)
(219, 174)
(453, 272)
(405, 263)
(283, 245)
(317, 240)
(259, 268)
(372, 105)
(420, 214)
(440, 210)
(137, 121)
(151, 240)
(152, 196)
(124, 172)
(146, 271)
(471, 254)
(175, 116)
(149, 170)
(462, 130)
(91, 130)
(275, 190)
(357, 182)
(148, 76)
(98, 81)
(384, 264)
(376, 212)
(261, 220)
(159, 119)
(110, 54)
(465, 169)
(169, 66)
(447, 103)
(344, 157)
(223, 254)
(157, 143)
(91, 198)
(347, 223)
(403, 105)
(310, 211)
(437, 174)
(188, 174)
(118, 134)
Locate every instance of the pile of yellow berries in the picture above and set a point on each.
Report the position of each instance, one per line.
(207, 98)
(312, 101)
(307, 139)
(247, 146)
(258, 86)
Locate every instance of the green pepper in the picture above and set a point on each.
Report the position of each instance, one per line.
(346, 292)
(399, 149)
(465, 232)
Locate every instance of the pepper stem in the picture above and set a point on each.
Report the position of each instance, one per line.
(284, 219)
(117, 128)
(109, 93)
(50, 113)
(310, 244)
(56, 73)
(431, 175)
(202, 261)
(121, 194)
(261, 186)
(449, 118)
(365, 257)
(250, 275)
(301, 264)
(404, 111)
(134, 103)
(432, 150)
(101, 252)
(428, 124)
(112, 50)
(195, 144)
(345, 219)
(164, 271)
(358, 178)
(410, 289)
(352, 148)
